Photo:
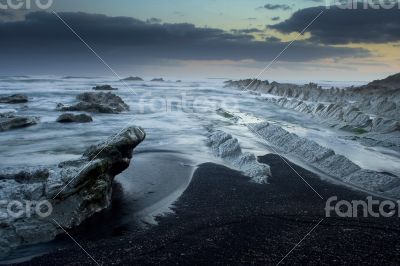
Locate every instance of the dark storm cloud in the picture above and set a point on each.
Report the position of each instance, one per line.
(342, 26)
(276, 7)
(42, 39)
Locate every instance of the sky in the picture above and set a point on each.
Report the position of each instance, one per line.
(187, 39)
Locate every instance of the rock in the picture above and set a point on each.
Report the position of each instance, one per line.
(97, 102)
(324, 159)
(178, 81)
(104, 88)
(16, 98)
(367, 110)
(70, 118)
(75, 189)
(158, 79)
(378, 97)
(10, 121)
(132, 79)
(226, 147)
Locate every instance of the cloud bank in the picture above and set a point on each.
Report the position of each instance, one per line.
(343, 26)
(42, 38)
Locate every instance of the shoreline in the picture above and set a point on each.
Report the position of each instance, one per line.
(222, 217)
(135, 202)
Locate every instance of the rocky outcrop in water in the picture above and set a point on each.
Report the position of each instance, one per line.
(10, 121)
(75, 191)
(104, 88)
(97, 102)
(72, 118)
(13, 99)
(132, 79)
(379, 98)
(158, 79)
(226, 147)
(371, 111)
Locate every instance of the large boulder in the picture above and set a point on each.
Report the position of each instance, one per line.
(16, 98)
(74, 190)
(10, 121)
(97, 102)
(72, 118)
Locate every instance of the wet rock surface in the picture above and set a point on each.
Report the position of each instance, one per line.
(72, 118)
(75, 189)
(97, 102)
(325, 159)
(11, 121)
(227, 147)
(14, 99)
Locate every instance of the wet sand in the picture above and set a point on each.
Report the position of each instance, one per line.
(222, 218)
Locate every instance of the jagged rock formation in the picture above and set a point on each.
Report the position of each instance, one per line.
(380, 98)
(335, 165)
(373, 108)
(343, 117)
(104, 88)
(71, 118)
(97, 102)
(13, 99)
(75, 189)
(226, 147)
(10, 121)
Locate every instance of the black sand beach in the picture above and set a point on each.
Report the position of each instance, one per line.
(222, 218)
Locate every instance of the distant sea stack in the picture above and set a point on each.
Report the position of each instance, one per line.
(132, 79)
(158, 79)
